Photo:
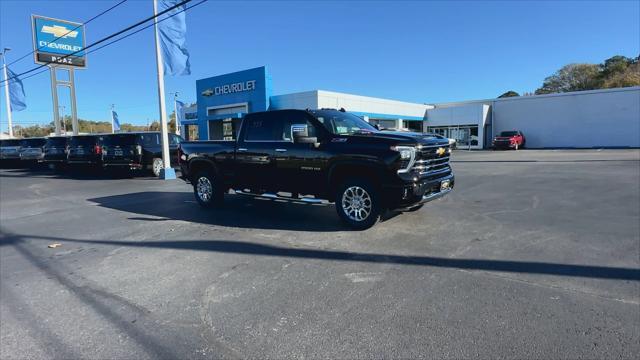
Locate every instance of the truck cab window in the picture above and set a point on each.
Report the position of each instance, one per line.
(260, 128)
(285, 122)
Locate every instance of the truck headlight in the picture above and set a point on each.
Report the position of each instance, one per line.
(407, 157)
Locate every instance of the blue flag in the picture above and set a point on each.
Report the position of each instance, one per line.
(172, 33)
(179, 112)
(16, 92)
(115, 123)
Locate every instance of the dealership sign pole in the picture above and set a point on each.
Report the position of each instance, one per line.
(60, 44)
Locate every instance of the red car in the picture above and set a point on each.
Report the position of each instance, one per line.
(509, 140)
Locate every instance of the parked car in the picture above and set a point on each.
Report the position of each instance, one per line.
(509, 140)
(31, 150)
(55, 151)
(84, 150)
(321, 156)
(137, 151)
(10, 150)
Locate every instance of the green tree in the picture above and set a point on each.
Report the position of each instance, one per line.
(629, 77)
(614, 65)
(572, 77)
(509, 93)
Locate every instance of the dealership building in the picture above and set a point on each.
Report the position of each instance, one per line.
(586, 119)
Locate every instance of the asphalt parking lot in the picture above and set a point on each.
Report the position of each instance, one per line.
(535, 254)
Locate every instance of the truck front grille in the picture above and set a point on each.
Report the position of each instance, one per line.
(429, 164)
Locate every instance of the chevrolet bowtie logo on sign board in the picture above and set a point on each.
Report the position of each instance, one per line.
(441, 151)
(58, 41)
(59, 31)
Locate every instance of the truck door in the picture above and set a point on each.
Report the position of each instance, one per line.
(299, 167)
(254, 153)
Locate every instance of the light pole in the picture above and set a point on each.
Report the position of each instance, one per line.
(6, 91)
(64, 121)
(175, 112)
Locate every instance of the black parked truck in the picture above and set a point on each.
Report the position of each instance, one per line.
(137, 151)
(321, 156)
(55, 151)
(31, 150)
(84, 150)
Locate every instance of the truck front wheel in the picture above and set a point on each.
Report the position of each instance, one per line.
(207, 190)
(358, 204)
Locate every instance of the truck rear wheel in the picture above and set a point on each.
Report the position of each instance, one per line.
(207, 190)
(358, 204)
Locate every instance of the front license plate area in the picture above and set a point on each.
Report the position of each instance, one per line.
(445, 185)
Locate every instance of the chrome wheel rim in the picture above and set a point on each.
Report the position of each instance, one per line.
(157, 166)
(204, 189)
(356, 203)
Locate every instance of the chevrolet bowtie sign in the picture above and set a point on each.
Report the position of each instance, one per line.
(58, 41)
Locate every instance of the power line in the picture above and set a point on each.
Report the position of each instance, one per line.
(104, 39)
(116, 40)
(70, 31)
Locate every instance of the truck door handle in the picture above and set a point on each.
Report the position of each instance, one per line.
(281, 150)
(242, 149)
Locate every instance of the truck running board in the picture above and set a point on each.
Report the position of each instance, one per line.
(306, 200)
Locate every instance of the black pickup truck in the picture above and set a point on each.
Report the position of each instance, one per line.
(317, 156)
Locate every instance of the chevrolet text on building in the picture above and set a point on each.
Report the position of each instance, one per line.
(231, 88)
(58, 41)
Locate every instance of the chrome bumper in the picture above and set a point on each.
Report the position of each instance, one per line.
(427, 198)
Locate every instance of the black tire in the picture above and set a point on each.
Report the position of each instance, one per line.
(202, 180)
(366, 196)
(415, 208)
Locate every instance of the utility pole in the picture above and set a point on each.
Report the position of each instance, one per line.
(6, 91)
(167, 172)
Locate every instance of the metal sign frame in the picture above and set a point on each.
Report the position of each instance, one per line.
(69, 60)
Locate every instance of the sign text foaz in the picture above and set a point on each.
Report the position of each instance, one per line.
(231, 88)
(58, 41)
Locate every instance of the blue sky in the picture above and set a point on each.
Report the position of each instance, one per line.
(421, 51)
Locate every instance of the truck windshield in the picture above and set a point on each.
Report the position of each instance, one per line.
(82, 140)
(119, 139)
(10, 142)
(35, 143)
(342, 123)
(56, 141)
(508, 133)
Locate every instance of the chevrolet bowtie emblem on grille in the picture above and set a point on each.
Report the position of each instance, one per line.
(207, 92)
(59, 31)
(440, 151)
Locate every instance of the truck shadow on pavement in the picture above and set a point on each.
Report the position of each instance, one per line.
(237, 211)
(250, 248)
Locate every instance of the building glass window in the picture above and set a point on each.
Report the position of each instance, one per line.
(465, 135)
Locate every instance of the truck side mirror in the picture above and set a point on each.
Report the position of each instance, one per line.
(300, 134)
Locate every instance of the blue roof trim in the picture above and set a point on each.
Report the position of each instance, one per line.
(386, 116)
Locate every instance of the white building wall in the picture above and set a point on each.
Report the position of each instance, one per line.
(598, 118)
(366, 104)
(318, 99)
(302, 100)
(470, 114)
